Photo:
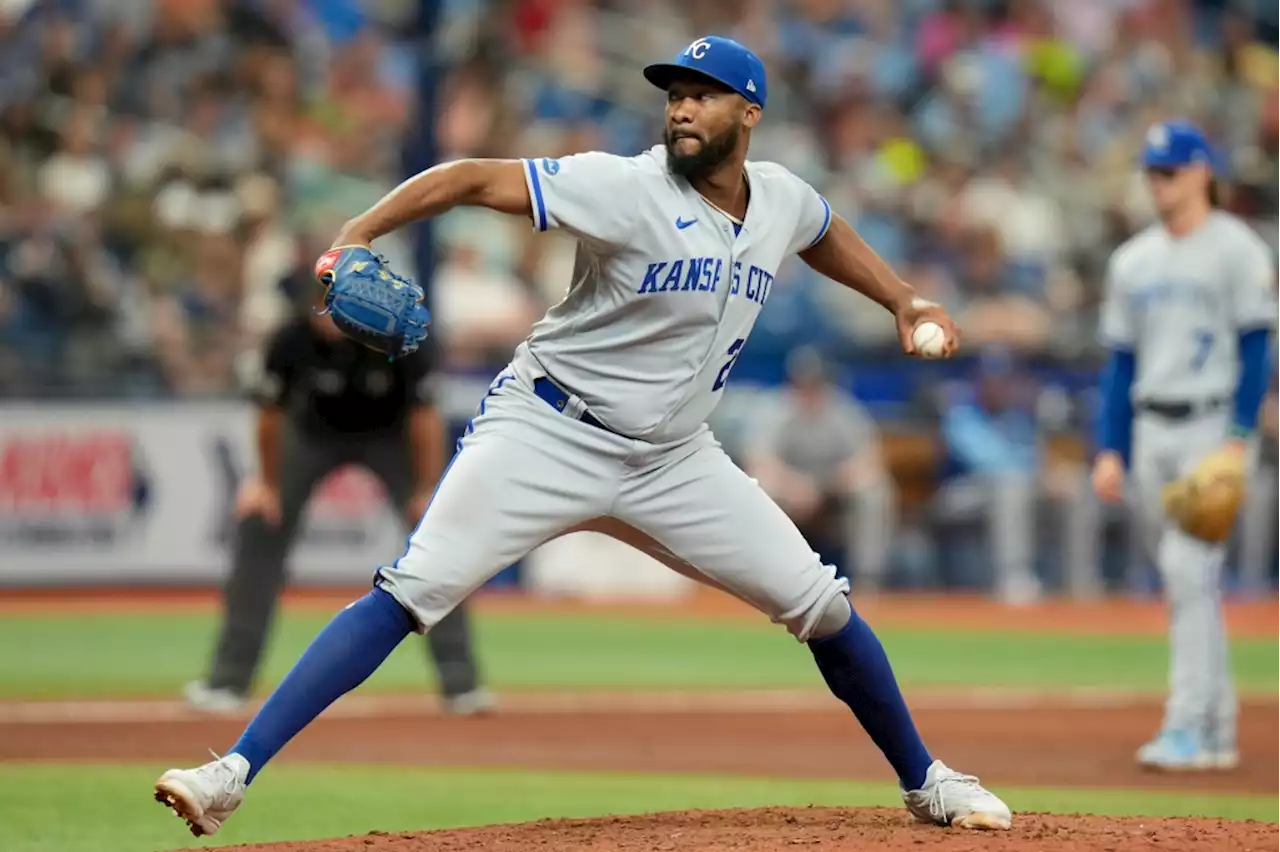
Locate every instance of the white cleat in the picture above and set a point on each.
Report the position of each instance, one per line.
(951, 798)
(1177, 751)
(1222, 759)
(477, 702)
(1220, 747)
(207, 795)
(201, 697)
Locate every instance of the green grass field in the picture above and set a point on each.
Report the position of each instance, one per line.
(75, 656)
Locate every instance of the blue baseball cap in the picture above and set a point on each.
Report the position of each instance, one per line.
(720, 59)
(1175, 145)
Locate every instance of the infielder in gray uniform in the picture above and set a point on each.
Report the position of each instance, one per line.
(1189, 306)
(599, 422)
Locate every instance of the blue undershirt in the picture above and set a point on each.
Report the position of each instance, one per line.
(1252, 387)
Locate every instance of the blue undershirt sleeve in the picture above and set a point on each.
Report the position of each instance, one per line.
(1115, 419)
(1252, 385)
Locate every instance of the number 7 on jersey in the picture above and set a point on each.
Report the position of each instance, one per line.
(1204, 343)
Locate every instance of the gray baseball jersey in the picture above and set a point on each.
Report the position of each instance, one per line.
(664, 293)
(1180, 303)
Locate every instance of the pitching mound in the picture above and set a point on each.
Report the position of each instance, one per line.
(830, 829)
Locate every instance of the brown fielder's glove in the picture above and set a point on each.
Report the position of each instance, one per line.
(1204, 502)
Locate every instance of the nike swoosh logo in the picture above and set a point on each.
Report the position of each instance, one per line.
(681, 224)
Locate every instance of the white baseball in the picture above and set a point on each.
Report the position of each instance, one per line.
(929, 338)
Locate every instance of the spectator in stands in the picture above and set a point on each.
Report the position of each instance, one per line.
(271, 250)
(999, 309)
(482, 310)
(817, 452)
(998, 471)
(196, 325)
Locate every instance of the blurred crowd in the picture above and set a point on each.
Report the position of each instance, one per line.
(167, 171)
(168, 168)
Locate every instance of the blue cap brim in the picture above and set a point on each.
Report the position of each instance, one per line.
(663, 74)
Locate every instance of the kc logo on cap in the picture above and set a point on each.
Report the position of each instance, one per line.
(698, 49)
(1158, 137)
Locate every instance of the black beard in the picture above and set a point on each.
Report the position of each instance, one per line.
(709, 156)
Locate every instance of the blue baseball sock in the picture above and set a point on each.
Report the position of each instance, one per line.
(340, 658)
(857, 670)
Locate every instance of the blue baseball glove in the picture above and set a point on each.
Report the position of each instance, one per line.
(370, 303)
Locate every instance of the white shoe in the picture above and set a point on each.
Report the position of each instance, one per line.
(206, 699)
(950, 798)
(1224, 759)
(1021, 590)
(207, 795)
(477, 702)
(1178, 751)
(1220, 746)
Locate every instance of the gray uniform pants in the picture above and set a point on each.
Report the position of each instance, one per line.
(260, 549)
(1202, 697)
(527, 474)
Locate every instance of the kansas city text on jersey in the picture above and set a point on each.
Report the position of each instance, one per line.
(703, 274)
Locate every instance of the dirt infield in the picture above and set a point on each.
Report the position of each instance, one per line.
(829, 829)
(1042, 746)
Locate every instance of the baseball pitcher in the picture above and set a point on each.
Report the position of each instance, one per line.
(1189, 307)
(599, 422)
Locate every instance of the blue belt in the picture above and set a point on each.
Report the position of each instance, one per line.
(558, 398)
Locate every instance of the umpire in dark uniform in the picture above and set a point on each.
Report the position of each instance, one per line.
(324, 402)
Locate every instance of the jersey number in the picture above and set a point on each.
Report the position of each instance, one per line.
(728, 365)
(1204, 343)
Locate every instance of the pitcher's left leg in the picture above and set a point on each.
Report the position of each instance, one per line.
(706, 512)
(449, 640)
